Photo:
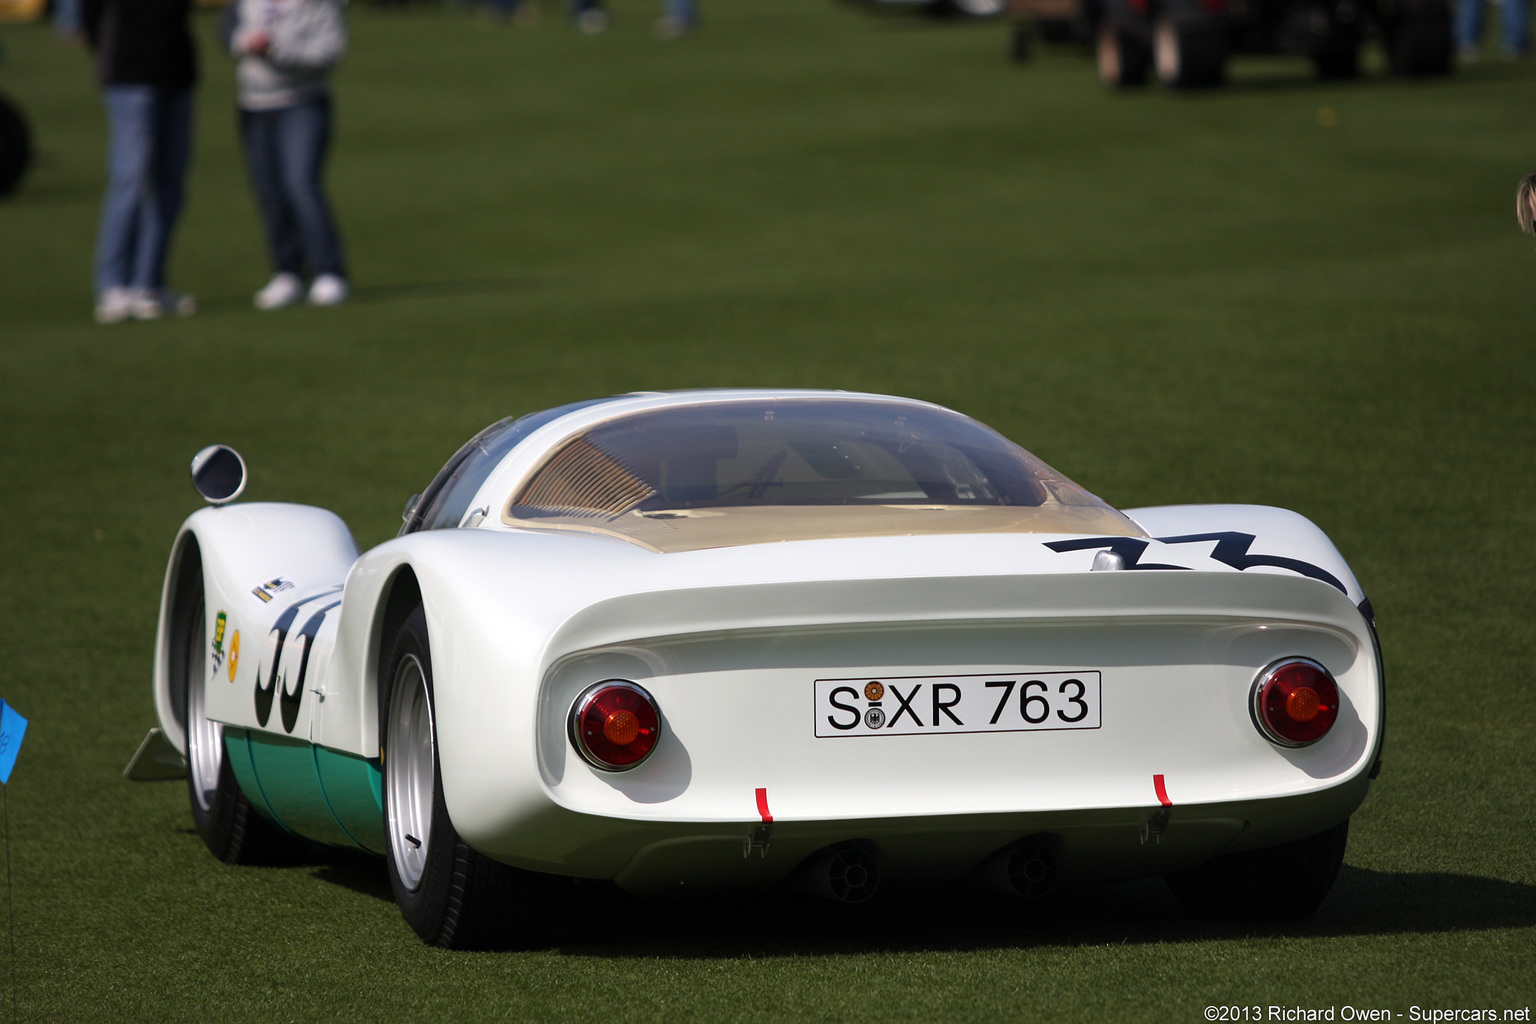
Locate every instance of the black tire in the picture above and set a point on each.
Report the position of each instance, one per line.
(1124, 57)
(448, 893)
(233, 830)
(1419, 43)
(1189, 56)
(1020, 42)
(1280, 883)
(1055, 30)
(15, 147)
(1333, 42)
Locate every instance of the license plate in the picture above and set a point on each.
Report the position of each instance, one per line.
(996, 702)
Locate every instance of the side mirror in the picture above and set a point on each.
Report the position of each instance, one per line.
(218, 474)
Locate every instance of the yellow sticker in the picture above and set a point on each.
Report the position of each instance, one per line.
(234, 654)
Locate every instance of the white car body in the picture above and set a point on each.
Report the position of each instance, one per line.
(731, 642)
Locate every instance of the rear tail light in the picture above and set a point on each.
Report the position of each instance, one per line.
(1295, 702)
(615, 725)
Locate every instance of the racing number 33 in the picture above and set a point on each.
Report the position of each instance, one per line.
(1000, 702)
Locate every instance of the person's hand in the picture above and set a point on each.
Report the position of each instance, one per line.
(256, 43)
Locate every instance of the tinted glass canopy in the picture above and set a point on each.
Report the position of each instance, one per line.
(791, 468)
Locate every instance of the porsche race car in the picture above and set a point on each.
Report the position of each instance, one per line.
(746, 638)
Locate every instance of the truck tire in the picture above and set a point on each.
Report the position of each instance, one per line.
(1333, 41)
(1124, 57)
(15, 147)
(1419, 41)
(1188, 56)
(1019, 42)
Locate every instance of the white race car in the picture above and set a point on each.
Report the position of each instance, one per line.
(746, 638)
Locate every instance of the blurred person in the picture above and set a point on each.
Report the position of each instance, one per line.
(286, 50)
(588, 15)
(679, 17)
(66, 20)
(1525, 203)
(147, 65)
(1514, 23)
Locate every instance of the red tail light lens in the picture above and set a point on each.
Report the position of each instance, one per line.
(1295, 702)
(615, 725)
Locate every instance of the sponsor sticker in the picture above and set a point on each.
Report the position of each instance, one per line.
(217, 654)
(264, 592)
(234, 654)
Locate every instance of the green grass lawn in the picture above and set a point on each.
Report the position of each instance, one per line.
(1290, 293)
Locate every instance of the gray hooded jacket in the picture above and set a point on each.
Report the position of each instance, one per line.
(307, 39)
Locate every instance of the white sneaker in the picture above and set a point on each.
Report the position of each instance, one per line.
(114, 305)
(153, 303)
(283, 290)
(328, 290)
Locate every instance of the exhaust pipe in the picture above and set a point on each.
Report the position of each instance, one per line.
(1027, 867)
(847, 874)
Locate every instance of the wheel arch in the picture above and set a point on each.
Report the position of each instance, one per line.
(178, 600)
(399, 596)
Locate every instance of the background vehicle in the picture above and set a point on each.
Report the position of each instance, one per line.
(1187, 42)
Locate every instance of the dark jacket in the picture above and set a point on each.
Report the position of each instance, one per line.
(141, 42)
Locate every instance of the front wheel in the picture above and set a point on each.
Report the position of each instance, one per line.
(450, 895)
(233, 830)
(1279, 883)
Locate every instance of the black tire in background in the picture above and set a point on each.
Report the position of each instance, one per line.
(15, 146)
(1123, 56)
(1333, 42)
(1280, 883)
(448, 893)
(1188, 55)
(1419, 39)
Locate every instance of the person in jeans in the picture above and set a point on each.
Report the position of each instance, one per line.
(286, 50)
(1514, 38)
(147, 66)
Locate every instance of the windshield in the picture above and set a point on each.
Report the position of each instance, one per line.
(795, 452)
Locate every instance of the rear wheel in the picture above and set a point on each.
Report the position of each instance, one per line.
(1280, 883)
(233, 830)
(450, 895)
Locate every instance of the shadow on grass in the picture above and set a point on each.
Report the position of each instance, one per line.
(779, 923)
(441, 289)
(1363, 902)
(383, 294)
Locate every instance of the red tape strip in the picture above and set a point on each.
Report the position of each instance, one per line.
(1157, 784)
(762, 804)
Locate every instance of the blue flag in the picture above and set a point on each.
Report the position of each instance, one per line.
(12, 728)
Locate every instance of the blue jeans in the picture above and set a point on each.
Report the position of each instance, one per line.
(1514, 16)
(148, 148)
(285, 152)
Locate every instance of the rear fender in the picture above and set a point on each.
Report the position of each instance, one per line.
(1251, 538)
